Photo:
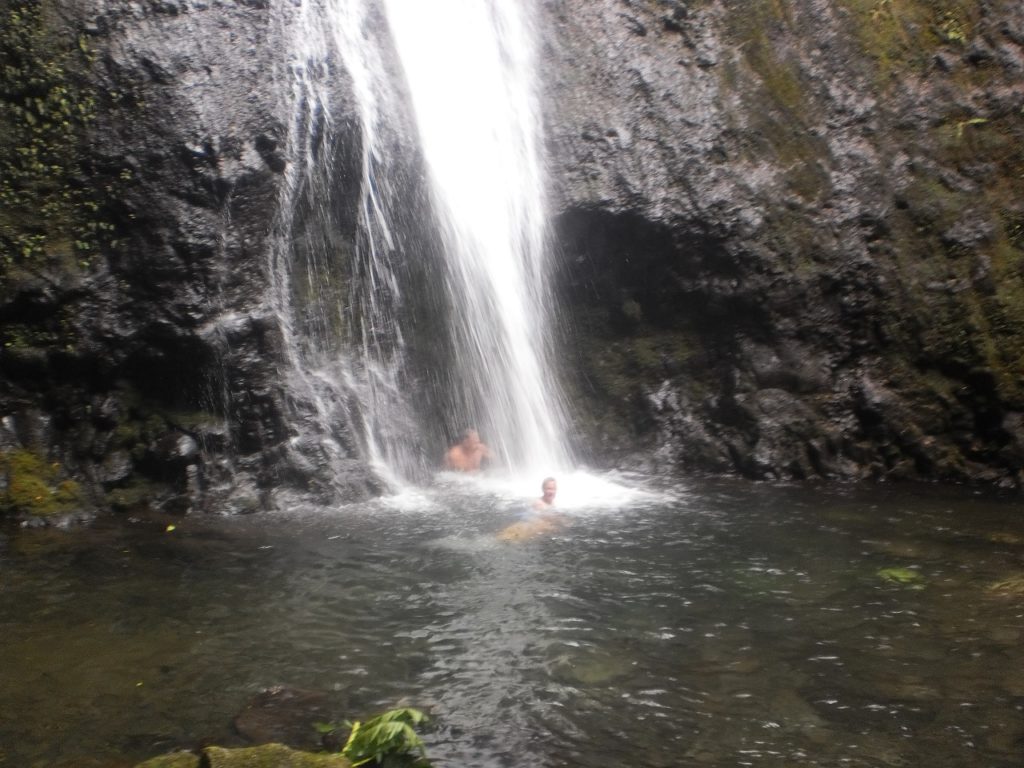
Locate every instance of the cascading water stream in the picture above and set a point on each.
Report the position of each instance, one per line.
(350, 347)
(468, 76)
(469, 66)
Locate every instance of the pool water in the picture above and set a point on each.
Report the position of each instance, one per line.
(716, 623)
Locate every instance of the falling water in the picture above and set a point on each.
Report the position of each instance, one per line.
(468, 77)
(469, 65)
(337, 293)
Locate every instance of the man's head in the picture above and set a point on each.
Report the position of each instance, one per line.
(549, 488)
(470, 439)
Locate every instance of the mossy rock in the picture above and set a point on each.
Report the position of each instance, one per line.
(35, 487)
(1005, 538)
(265, 756)
(1011, 587)
(270, 756)
(136, 495)
(48, 218)
(173, 760)
(901, 37)
(903, 576)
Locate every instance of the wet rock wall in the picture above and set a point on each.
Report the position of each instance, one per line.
(789, 237)
(791, 234)
(138, 354)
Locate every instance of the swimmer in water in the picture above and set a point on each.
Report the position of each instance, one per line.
(545, 522)
(548, 489)
(467, 455)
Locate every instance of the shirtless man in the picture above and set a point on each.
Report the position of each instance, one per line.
(468, 454)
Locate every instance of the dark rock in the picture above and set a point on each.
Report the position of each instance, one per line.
(286, 715)
(25, 362)
(968, 234)
(978, 52)
(177, 449)
(115, 468)
(944, 61)
(819, 319)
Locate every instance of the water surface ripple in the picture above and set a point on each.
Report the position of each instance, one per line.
(721, 624)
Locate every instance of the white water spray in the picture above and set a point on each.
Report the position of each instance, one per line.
(345, 358)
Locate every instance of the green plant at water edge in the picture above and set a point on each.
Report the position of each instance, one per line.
(34, 486)
(389, 739)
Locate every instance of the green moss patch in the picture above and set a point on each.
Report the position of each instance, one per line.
(966, 298)
(901, 36)
(46, 213)
(174, 760)
(776, 95)
(1011, 587)
(902, 576)
(35, 486)
(269, 756)
(265, 756)
(620, 368)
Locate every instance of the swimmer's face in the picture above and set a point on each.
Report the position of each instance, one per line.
(471, 439)
(549, 489)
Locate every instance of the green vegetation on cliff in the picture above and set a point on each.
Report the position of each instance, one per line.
(47, 208)
(778, 98)
(957, 241)
(901, 36)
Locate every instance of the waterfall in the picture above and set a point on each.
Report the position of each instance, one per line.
(457, 217)
(469, 67)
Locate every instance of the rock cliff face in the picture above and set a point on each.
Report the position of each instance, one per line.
(791, 236)
(144, 360)
(792, 233)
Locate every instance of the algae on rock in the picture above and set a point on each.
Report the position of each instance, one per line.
(269, 756)
(173, 760)
(264, 756)
(34, 486)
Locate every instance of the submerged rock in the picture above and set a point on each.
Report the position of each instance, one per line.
(904, 576)
(1009, 587)
(590, 668)
(286, 715)
(174, 760)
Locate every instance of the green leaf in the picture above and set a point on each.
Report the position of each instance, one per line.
(387, 735)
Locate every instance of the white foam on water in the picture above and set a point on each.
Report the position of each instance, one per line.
(579, 491)
(411, 500)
